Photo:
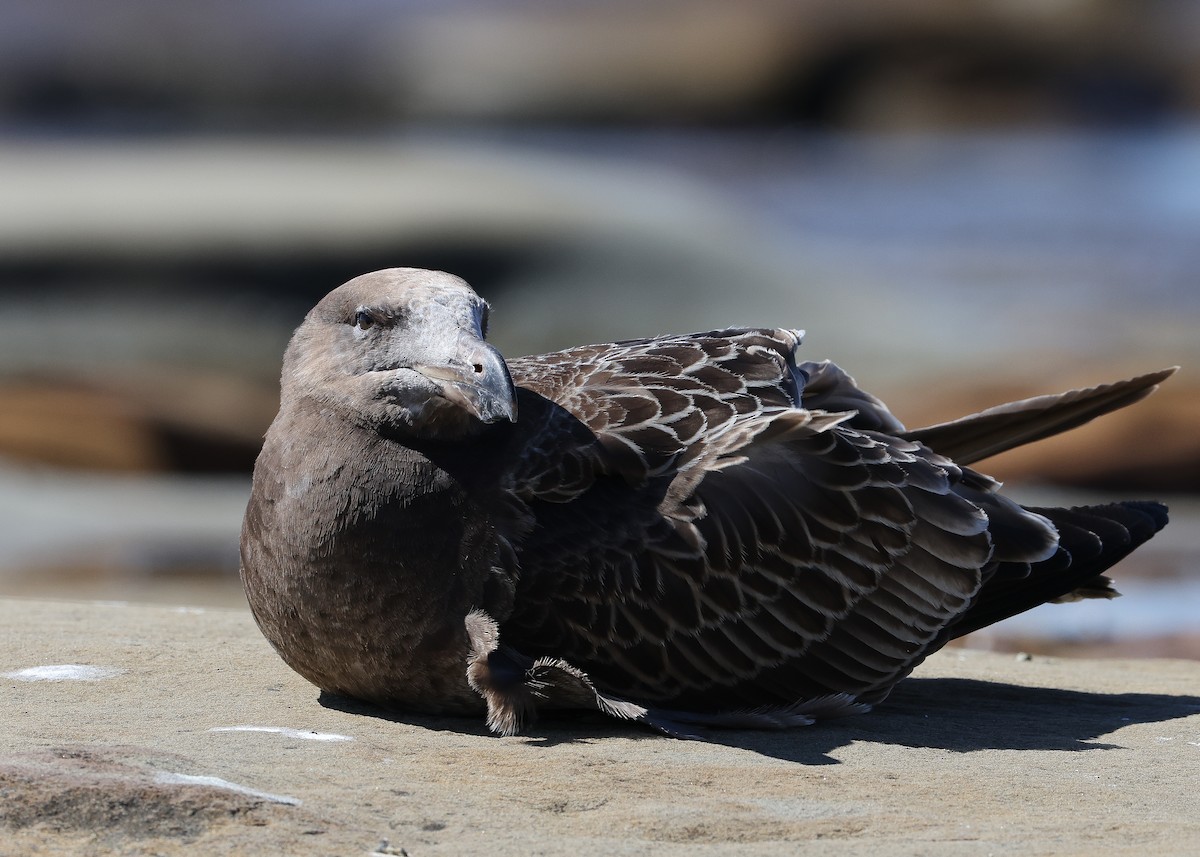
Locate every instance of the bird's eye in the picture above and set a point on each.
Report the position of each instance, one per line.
(363, 320)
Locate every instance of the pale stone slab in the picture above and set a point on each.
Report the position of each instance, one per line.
(189, 736)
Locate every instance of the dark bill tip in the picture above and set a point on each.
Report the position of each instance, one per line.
(478, 381)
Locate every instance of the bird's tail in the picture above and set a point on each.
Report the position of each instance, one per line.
(987, 433)
(1091, 540)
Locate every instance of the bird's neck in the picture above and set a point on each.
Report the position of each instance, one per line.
(357, 501)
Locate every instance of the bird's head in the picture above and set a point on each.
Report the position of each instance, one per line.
(402, 350)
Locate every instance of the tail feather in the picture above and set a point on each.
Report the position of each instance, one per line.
(987, 433)
(1091, 540)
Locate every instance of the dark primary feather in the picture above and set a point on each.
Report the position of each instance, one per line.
(684, 530)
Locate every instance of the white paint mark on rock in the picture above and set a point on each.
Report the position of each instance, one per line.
(169, 778)
(286, 732)
(63, 672)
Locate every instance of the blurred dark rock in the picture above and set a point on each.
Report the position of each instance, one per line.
(138, 423)
(369, 64)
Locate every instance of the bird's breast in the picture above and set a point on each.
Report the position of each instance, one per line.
(361, 572)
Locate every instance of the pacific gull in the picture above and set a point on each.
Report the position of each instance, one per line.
(686, 531)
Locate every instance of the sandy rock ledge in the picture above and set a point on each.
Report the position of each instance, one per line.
(189, 736)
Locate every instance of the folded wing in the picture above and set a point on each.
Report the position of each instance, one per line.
(726, 544)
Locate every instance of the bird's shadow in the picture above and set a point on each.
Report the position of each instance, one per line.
(558, 727)
(967, 715)
(955, 714)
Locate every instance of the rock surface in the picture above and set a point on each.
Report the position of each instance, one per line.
(192, 737)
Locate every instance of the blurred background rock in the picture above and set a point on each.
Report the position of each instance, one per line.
(962, 202)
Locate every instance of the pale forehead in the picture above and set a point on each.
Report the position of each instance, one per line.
(403, 291)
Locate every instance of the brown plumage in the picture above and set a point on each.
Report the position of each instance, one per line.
(685, 531)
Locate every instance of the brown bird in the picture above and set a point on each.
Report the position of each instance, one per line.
(684, 530)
